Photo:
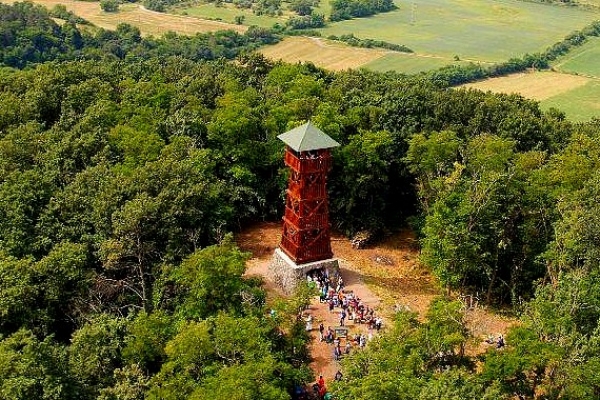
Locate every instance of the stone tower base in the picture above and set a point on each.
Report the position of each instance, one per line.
(286, 273)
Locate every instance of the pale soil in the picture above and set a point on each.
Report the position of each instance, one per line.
(386, 277)
(149, 22)
(321, 52)
(532, 85)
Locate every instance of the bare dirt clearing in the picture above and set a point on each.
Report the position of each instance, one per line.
(321, 52)
(149, 22)
(386, 277)
(536, 85)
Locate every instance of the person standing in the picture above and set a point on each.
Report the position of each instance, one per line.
(378, 323)
(338, 376)
(322, 388)
(500, 344)
(340, 285)
(321, 382)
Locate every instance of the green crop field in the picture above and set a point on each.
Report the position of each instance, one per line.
(324, 8)
(584, 60)
(579, 104)
(482, 30)
(228, 12)
(407, 63)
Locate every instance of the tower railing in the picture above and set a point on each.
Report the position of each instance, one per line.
(306, 165)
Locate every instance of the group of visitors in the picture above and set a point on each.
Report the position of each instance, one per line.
(332, 293)
(345, 306)
(353, 309)
(350, 307)
(323, 280)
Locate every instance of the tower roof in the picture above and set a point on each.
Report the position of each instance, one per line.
(307, 137)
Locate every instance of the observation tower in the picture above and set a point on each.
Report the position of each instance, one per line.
(306, 239)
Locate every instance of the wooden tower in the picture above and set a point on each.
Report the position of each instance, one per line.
(306, 228)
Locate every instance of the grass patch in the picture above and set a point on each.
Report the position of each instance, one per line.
(580, 104)
(480, 30)
(324, 8)
(228, 12)
(583, 60)
(407, 64)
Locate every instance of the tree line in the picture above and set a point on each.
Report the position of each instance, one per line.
(354, 41)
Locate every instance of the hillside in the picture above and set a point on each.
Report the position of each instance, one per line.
(130, 165)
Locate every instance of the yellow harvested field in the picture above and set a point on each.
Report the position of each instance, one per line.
(321, 52)
(149, 22)
(534, 85)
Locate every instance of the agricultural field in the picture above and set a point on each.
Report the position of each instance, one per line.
(149, 22)
(322, 52)
(583, 60)
(477, 30)
(407, 63)
(537, 86)
(579, 104)
(577, 96)
(574, 89)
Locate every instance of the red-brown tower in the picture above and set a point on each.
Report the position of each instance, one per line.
(306, 228)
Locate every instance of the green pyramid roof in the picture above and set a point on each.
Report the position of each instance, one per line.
(306, 138)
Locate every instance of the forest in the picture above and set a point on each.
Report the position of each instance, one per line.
(127, 163)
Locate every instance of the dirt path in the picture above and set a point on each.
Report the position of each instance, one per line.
(385, 277)
(324, 362)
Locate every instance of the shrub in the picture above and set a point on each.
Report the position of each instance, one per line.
(369, 43)
(109, 5)
(348, 9)
(306, 21)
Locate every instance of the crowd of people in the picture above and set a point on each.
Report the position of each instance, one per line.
(348, 309)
